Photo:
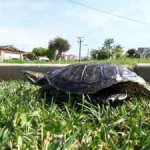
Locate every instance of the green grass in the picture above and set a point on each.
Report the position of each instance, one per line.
(27, 123)
(123, 60)
(126, 61)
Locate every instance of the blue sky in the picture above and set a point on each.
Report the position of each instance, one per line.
(27, 24)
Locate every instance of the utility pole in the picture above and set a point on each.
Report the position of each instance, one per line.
(80, 45)
(88, 52)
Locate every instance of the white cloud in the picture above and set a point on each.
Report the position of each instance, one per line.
(28, 24)
(3, 16)
(26, 38)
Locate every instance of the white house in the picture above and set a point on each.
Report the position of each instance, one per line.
(69, 57)
(143, 52)
(10, 52)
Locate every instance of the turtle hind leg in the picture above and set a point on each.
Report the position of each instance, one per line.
(117, 99)
(113, 95)
(112, 100)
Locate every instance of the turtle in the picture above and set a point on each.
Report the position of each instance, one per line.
(99, 82)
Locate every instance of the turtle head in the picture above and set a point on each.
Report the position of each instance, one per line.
(36, 78)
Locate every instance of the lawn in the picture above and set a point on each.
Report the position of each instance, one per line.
(27, 123)
(123, 60)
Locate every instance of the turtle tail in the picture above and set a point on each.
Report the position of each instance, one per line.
(136, 89)
(146, 90)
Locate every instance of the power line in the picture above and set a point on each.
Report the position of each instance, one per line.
(109, 13)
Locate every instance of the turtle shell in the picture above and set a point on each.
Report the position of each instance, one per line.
(90, 77)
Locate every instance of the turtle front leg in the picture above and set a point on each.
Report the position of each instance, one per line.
(49, 93)
(45, 92)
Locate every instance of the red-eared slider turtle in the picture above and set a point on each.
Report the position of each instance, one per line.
(98, 81)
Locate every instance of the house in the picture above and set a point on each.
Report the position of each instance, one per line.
(10, 52)
(69, 57)
(143, 52)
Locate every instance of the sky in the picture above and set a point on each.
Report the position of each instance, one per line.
(27, 24)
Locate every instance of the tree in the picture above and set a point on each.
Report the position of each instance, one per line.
(94, 53)
(131, 52)
(39, 51)
(30, 56)
(100, 53)
(104, 53)
(107, 50)
(117, 51)
(108, 43)
(59, 44)
(51, 52)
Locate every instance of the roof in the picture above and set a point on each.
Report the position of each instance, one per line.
(10, 48)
